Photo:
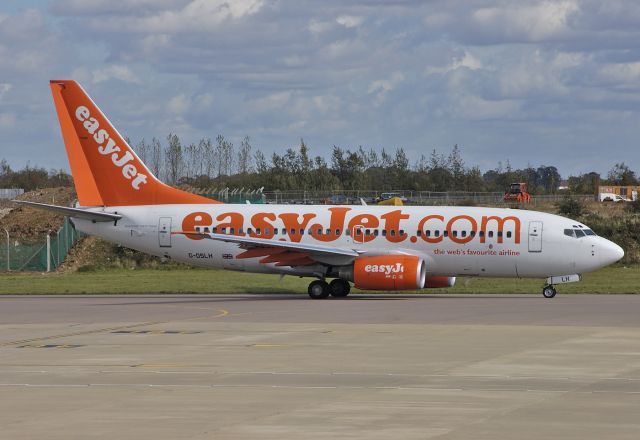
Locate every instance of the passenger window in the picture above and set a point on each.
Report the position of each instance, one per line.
(232, 230)
(401, 232)
(375, 232)
(419, 233)
(445, 233)
(214, 230)
(328, 231)
(257, 231)
(284, 231)
(267, 231)
(293, 231)
(319, 232)
(464, 234)
(347, 232)
(579, 233)
(499, 233)
(455, 233)
(249, 230)
(367, 232)
(275, 231)
(481, 233)
(473, 233)
(224, 230)
(508, 234)
(569, 233)
(490, 234)
(384, 232)
(436, 233)
(301, 231)
(337, 232)
(358, 231)
(206, 230)
(393, 232)
(428, 232)
(197, 228)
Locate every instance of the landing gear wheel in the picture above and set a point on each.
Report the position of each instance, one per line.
(319, 289)
(339, 288)
(549, 291)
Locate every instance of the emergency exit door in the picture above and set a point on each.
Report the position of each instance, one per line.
(535, 236)
(164, 231)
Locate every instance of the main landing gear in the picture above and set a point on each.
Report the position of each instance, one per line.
(549, 291)
(320, 289)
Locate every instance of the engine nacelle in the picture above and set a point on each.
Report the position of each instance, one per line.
(389, 272)
(436, 282)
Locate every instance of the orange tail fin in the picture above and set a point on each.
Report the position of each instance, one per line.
(105, 169)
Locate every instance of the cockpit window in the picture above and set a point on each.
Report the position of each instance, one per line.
(578, 233)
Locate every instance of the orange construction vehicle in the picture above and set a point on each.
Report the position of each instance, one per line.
(517, 192)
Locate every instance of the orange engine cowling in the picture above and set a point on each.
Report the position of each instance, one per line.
(436, 282)
(389, 272)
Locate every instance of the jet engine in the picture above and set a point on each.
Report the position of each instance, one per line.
(436, 282)
(387, 272)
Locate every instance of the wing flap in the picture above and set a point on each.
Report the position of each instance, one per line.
(282, 253)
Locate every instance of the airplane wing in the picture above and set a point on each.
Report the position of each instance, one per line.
(282, 253)
(83, 213)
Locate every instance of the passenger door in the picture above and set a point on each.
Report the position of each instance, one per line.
(164, 232)
(535, 236)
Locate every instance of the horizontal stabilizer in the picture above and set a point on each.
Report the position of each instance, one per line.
(83, 213)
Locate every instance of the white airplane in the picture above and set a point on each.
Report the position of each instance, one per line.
(375, 247)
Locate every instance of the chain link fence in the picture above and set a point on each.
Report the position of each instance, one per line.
(41, 256)
(412, 197)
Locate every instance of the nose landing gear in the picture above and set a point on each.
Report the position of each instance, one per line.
(549, 291)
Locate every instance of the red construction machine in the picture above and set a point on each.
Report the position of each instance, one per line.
(517, 192)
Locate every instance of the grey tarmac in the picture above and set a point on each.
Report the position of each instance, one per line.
(287, 367)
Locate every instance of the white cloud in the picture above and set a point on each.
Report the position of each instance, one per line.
(467, 60)
(381, 87)
(319, 27)
(115, 71)
(273, 101)
(179, 104)
(622, 74)
(4, 88)
(199, 15)
(349, 21)
(327, 104)
(536, 22)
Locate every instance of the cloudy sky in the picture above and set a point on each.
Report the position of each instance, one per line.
(534, 82)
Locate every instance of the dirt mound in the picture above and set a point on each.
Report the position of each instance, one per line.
(89, 251)
(27, 224)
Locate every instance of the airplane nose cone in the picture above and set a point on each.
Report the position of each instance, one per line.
(610, 253)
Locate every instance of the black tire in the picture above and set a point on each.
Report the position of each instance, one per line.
(549, 291)
(339, 288)
(319, 289)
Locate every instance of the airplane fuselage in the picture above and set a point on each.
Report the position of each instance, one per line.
(453, 241)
